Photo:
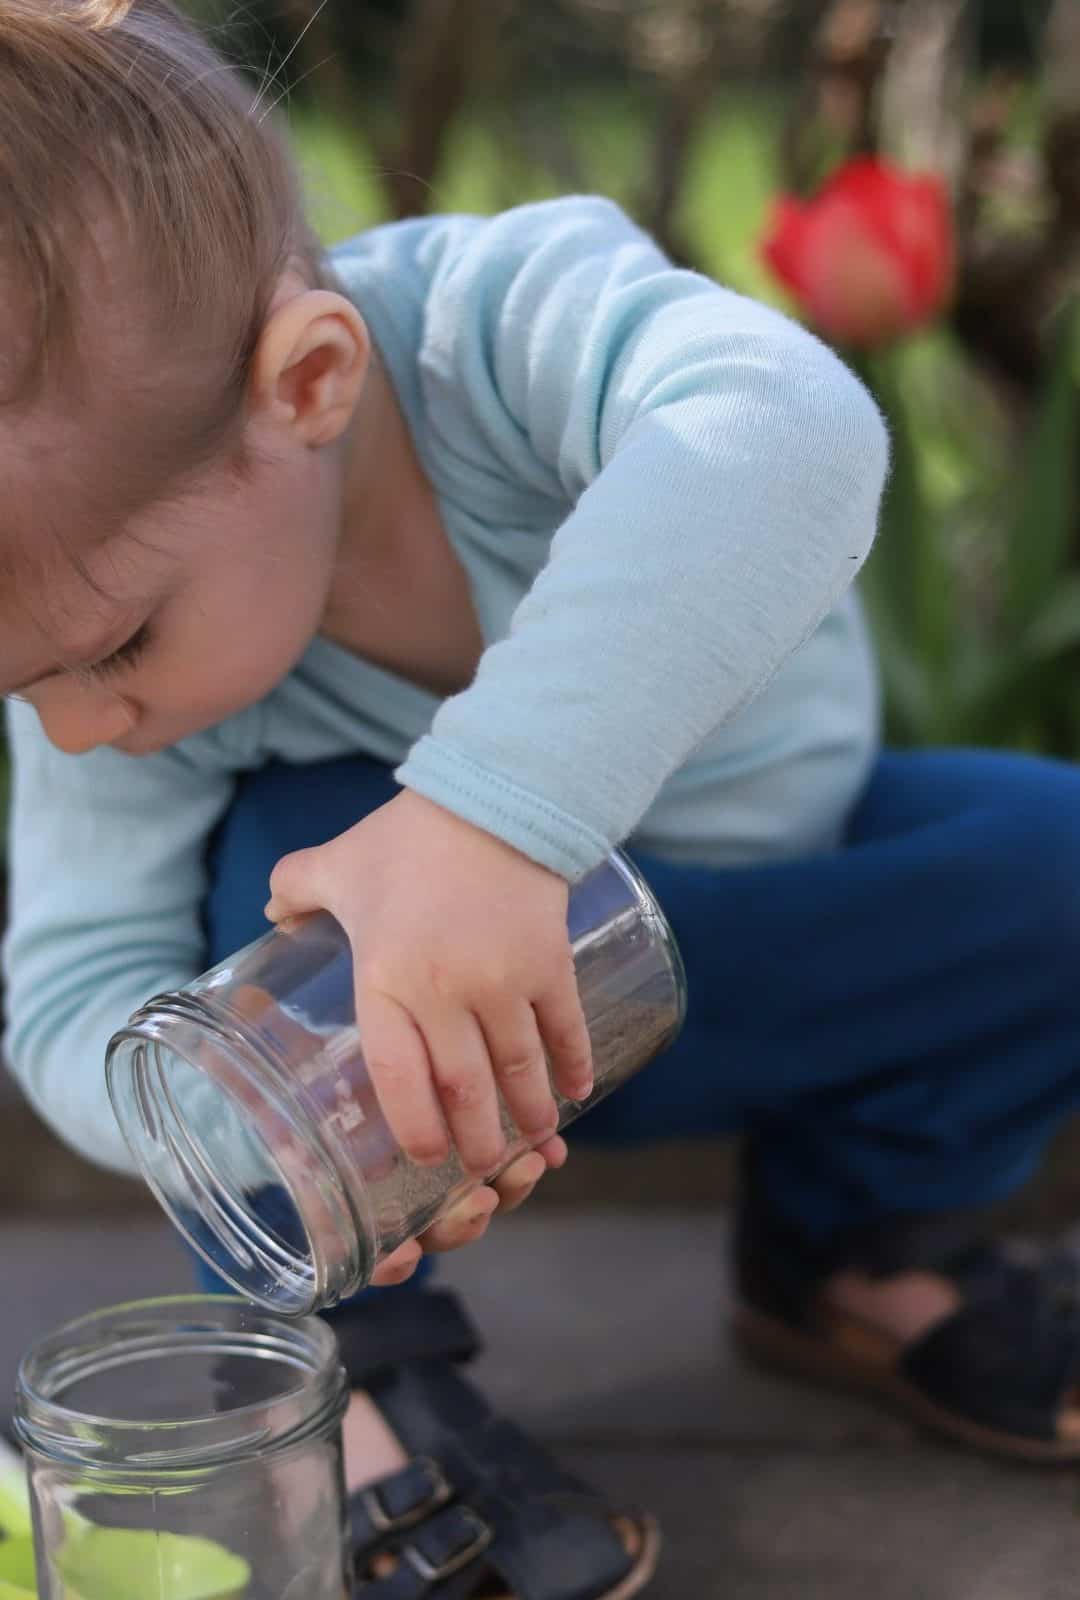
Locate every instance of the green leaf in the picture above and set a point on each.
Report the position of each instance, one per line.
(17, 1570)
(1055, 631)
(907, 581)
(1044, 523)
(909, 694)
(118, 1564)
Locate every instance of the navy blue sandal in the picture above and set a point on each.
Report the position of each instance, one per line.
(1001, 1373)
(481, 1508)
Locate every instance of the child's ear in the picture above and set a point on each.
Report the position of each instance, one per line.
(309, 366)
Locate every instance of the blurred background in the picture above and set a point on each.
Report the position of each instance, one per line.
(904, 174)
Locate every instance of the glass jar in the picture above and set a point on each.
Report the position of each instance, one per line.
(249, 1110)
(186, 1449)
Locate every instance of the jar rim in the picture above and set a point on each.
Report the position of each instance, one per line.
(215, 1325)
(302, 1278)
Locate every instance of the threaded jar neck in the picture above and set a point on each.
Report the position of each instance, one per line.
(222, 1136)
(182, 1387)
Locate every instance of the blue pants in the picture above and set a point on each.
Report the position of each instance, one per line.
(897, 1023)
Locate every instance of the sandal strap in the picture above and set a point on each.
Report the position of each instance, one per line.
(387, 1330)
(443, 1553)
(553, 1535)
(537, 1552)
(915, 1243)
(397, 1502)
(1010, 1355)
(780, 1271)
(549, 1536)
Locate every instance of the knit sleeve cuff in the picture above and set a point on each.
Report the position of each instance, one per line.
(520, 818)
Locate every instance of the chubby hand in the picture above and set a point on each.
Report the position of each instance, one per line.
(468, 1220)
(464, 978)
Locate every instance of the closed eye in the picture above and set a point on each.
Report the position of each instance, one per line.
(127, 655)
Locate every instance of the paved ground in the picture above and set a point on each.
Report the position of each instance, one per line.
(606, 1335)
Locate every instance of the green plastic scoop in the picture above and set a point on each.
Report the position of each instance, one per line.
(17, 1579)
(111, 1563)
(15, 1520)
(17, 1568)
(114, 1564)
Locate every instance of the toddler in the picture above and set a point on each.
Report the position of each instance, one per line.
(425, 572)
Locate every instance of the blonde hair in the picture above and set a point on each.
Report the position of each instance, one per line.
(117, 113)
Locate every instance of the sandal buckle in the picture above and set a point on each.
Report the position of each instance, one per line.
(429, 1572)
(441, 1494)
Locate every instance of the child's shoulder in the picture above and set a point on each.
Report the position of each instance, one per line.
(426, 245)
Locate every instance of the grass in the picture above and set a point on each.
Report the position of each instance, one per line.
(731, 177)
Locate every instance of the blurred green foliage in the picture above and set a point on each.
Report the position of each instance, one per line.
(974, 586)
(732, 176)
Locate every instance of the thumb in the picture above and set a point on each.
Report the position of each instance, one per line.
(295, 885)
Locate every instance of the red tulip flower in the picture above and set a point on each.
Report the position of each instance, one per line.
(870, 256)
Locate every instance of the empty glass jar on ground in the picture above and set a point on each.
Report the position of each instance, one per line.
(186, 1449)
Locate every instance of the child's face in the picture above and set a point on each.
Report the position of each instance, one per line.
(192, 611)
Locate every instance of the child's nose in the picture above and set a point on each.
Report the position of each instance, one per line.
(86, 717)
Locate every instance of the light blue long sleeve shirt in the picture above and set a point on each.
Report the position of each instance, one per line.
(660, 493)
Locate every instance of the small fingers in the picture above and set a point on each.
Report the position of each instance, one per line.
(556, 1152)
(464, 1223)
(400, 1069)
(516, 1184)
(566, 1038)
(399, 1266)
(295, 885)
(462, 1073)
(517, 1055)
